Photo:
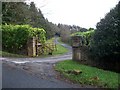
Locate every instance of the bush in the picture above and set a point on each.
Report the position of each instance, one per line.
(106, 41)
(14, 37)
(86, 36)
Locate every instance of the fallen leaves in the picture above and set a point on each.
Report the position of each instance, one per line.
(75, 72)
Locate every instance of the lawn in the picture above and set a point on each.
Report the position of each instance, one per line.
(89, 75)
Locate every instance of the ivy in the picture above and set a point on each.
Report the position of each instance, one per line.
(86, 36)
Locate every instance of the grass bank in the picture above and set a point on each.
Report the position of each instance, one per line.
(60, 49)
(88, 75)
(6, 54)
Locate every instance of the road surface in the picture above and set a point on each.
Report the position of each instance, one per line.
(35, 72)
(17, 78)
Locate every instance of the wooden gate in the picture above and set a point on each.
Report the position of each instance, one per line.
(35, 48)
(46, 48)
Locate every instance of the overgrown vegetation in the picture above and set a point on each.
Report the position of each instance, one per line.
(86, 36)
(106, 40)
(88, 75)
(14, 37)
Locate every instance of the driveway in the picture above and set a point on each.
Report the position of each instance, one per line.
(35, 72)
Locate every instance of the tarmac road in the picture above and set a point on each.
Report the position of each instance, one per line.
(17, 78)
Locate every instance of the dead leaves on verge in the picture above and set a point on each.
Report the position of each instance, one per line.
(75, 72)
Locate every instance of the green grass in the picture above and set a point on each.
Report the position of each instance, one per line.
(106, 79)
(59, 40)
(60, 49)
(6, 54)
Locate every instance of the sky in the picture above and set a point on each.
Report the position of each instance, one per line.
(84, 13)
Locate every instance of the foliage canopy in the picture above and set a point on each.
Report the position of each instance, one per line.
(106, 40)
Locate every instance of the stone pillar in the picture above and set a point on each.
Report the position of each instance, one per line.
(76, 44)
(32, 47)
(76, 54)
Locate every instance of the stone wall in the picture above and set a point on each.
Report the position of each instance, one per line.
(82, 54)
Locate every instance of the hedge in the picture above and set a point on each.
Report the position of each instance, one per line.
(14, 37)
(106, 40)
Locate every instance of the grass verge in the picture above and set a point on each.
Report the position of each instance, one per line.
(89, 76)
(60, 49)
(6, 54)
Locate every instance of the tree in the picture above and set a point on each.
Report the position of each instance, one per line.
(21, 13)
(15, 13)
(65, 32)
(106, 41)
(34, 16)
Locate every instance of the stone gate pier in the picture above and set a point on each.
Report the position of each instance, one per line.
(76, 45)
(81, 52)
(31, 47)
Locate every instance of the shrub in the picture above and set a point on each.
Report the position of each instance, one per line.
(86, 36)
(14, 37)
(106, 40)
